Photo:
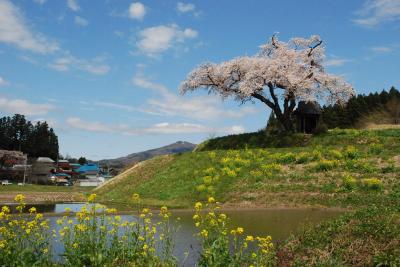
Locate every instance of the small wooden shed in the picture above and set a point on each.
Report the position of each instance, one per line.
(308, 115)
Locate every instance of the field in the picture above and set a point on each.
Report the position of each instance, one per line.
(43, 193)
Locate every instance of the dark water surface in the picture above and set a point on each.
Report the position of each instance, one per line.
(278, 223)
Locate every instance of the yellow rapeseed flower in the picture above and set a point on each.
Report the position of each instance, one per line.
(196, 217)
(135, 197)
(204, 233)
(198, 206)
(75, 245)
(112, 210)
(19, 198)
(249, 238)
(211, 200)
(145, 211)
(67, 210)
(240, 230)
(91, 198)
(164, 209)
(5, 209)
(32, 210)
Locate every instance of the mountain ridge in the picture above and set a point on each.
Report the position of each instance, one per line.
(133, 158)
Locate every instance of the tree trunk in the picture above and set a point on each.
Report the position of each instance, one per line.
(286, 123)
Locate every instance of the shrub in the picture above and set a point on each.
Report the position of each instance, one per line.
(256, 175)
(321, 128)
(351, 152)
(349, 182)
(270, 169)
(360, 166)
(371, 184)
(201, 188)
(375, 149)
(302, 157)
(286, 158)
(326, 165)
(335, 154)
(316, 155)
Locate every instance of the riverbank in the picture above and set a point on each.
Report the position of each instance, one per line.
(36, 194)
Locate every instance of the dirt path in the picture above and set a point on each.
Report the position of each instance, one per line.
(42, 197)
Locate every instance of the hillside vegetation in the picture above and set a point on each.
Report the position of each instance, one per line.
(354, 169)
(343, 168)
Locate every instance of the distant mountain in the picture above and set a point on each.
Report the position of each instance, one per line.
(122, 162)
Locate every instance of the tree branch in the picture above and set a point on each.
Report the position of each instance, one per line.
(312, 48)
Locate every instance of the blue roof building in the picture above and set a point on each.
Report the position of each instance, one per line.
(89, 169)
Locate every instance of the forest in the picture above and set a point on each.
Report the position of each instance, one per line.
(360, 107)
(35, 139)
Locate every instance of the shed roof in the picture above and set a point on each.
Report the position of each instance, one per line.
(308, 107)
(90, 167)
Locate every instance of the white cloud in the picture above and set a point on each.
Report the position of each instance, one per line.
(137, 11)
(375, 12)
(336, 62)
(73, 5)
(115, 106)
(40, 2)
(185, 7)
(24, 107)
(200, 108)
(14, 30)
(155, 40)
(94, 66)
(159, 128)
(382, 49)
(81, 21)
(89, 126)
(3, 82)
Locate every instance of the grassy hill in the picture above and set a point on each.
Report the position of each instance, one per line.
(342, 168)
(355, 169)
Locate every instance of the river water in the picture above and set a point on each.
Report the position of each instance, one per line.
(278, 223)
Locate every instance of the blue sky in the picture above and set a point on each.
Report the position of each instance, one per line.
(105, 74)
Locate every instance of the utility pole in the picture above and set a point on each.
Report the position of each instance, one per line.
(26, 162)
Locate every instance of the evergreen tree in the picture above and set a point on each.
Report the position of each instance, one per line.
(360, 106)
(37, 140)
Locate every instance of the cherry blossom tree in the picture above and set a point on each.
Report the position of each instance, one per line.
(282, 74)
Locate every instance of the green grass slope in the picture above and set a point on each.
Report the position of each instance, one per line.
(343, 168)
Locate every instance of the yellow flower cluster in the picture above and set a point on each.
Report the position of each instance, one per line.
(91, 198)
(212, 232)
